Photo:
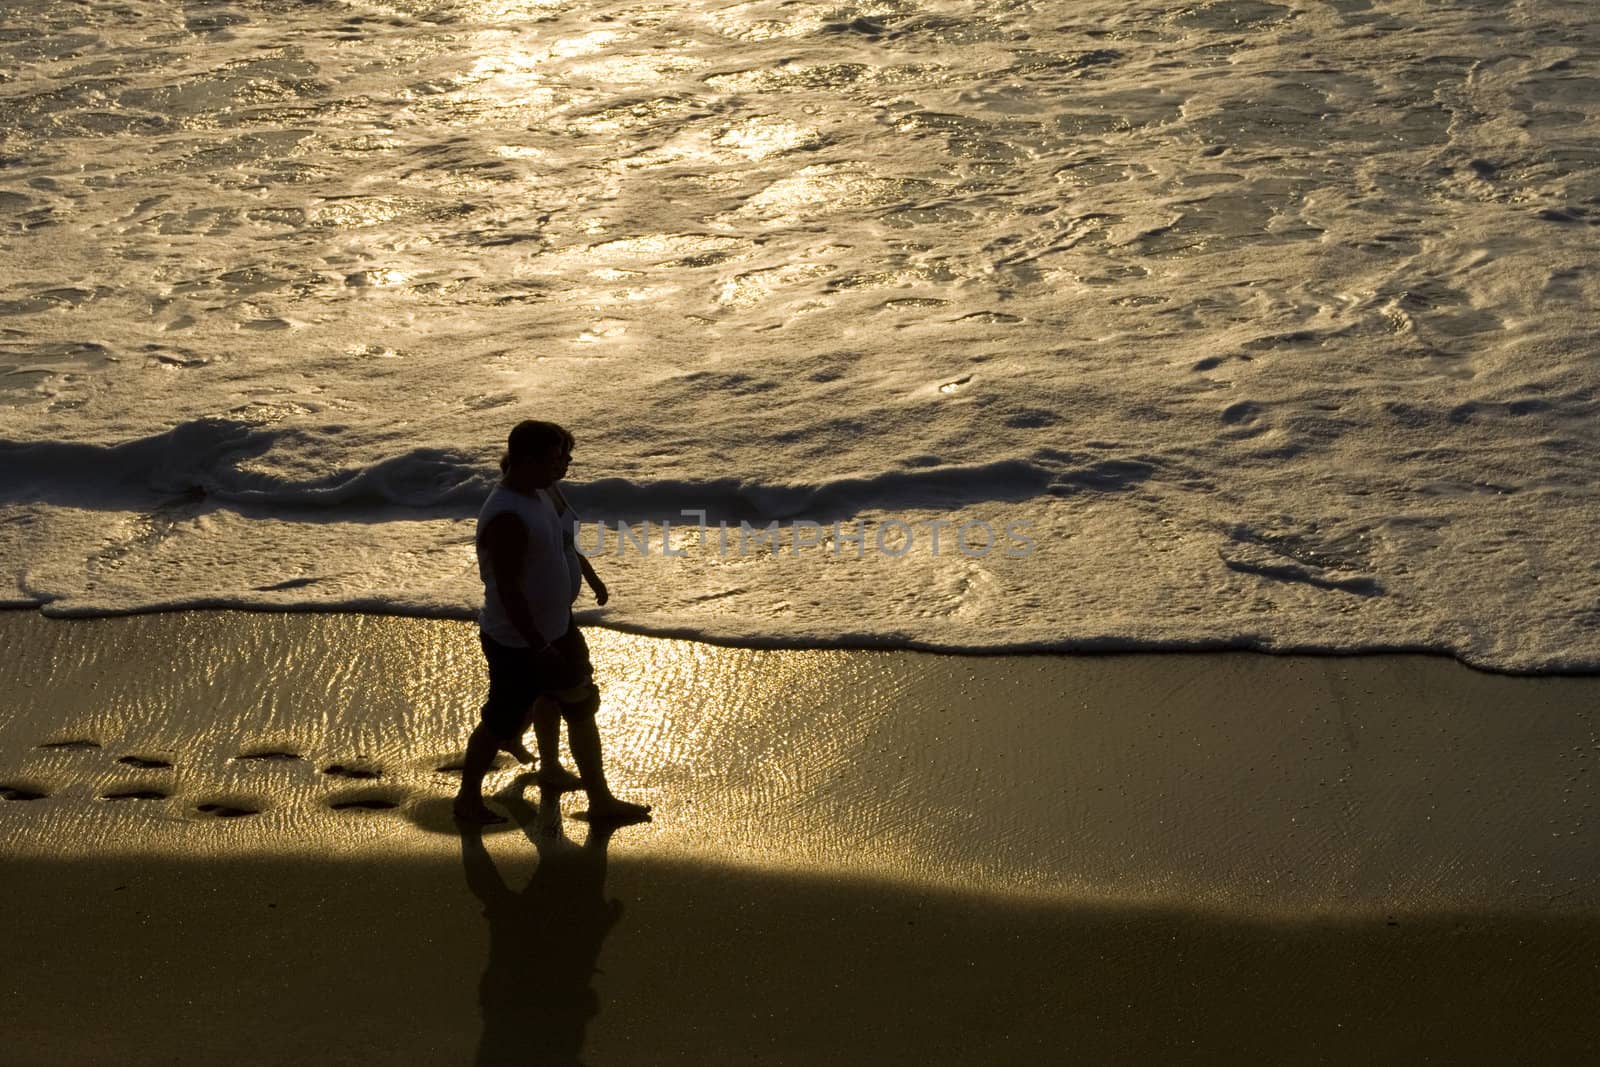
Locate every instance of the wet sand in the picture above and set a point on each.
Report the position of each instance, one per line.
(857, 857)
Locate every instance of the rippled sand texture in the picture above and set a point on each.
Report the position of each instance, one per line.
(1245, 784)
(1273, 320)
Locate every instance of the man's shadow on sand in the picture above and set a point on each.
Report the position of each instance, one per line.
(544, 941)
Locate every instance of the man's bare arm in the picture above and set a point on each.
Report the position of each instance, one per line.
(601, 595)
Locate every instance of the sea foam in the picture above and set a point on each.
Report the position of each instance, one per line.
(1263, 325)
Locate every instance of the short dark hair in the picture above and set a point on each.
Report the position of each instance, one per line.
(533, 437)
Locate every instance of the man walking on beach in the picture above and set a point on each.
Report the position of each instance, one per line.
(538, 661)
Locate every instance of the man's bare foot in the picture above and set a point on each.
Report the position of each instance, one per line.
(474, 812)
(517, 751)
(558, 779)
(613, 812)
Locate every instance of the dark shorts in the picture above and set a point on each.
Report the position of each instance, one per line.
(517, 680)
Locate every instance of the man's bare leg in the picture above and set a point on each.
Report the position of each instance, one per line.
(583, 734)
(469, 806)
(517, 750)
(547, 732)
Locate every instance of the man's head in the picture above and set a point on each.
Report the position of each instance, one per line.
(537, 453)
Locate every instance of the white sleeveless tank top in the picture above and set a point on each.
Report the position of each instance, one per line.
(550, 578)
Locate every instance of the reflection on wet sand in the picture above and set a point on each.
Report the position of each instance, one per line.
(544, 940)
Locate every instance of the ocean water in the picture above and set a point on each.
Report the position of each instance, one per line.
(1226, 324)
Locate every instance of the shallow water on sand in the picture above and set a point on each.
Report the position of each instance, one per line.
(1233, 323)
(1289, 786)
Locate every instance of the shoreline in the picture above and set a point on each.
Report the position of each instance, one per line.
(591, 619)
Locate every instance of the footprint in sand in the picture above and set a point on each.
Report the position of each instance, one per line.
(147, 763)
(339, 770)
(225, 811)
(17, 792)
(76, 744)
(268, 756)
(135, 794)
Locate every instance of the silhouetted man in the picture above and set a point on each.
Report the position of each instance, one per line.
(538, 661)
